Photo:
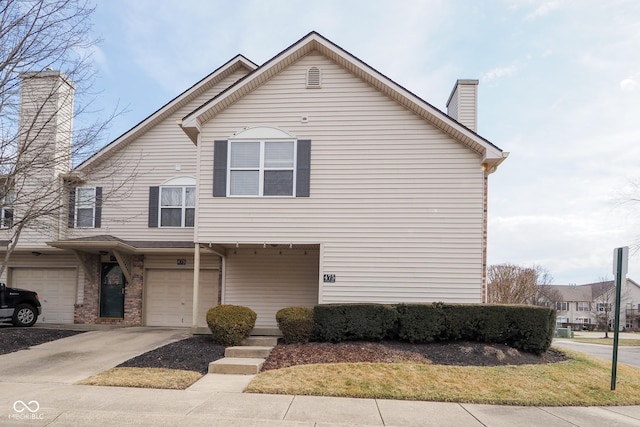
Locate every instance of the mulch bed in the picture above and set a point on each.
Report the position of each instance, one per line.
(191, 354)
(460, 353)
(195, 353)
(14, 339)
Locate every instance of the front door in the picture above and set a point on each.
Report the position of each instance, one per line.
(112, 291)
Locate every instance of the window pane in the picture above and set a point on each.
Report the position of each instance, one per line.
(170, 217)
(244, 183)
(245, 154)
(190, 196)
(171, 196)
(85, 197)
(278, 154)
(190, 215)
(278, 183)
(85, 218)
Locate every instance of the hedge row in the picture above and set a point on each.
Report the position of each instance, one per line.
(526, 328)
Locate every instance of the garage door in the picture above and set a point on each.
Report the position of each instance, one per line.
(56, 288)
(169, 297)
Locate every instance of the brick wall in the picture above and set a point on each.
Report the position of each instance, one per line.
(89, 311)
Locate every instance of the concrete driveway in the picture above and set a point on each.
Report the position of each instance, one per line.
(74, 358)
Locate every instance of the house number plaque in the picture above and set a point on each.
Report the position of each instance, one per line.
(329, 278)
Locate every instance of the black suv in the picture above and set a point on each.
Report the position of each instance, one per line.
(19, 306)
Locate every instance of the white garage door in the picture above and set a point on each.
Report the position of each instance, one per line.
(56, 288)
(169, 297)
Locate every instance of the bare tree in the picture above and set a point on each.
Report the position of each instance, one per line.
(603, 304)
(37, 37)
(514, 284)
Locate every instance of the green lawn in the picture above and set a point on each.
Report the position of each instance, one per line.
(582, 381)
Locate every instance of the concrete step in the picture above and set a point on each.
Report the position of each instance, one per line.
(236, 365)
(260, 341)
(248, 351)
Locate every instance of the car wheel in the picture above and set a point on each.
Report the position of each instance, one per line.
(24, 315)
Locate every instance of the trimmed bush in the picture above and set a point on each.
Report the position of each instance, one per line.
(351, 322)
(296, 324)
(230, 324)
(419, 323)
(526, 328)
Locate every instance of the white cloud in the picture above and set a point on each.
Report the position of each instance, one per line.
(542, 10)
(499, 72)
(628, 85)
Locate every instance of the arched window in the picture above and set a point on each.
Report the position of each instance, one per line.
(173, 204)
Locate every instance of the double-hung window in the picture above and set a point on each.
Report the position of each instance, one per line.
(85, 207)
(177, 206)
(562, 306)
(262, 168)
(583, 306)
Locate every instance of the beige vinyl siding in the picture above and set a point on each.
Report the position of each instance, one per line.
(267, 280)
(149, 161)
(396, 203)
(467, 106)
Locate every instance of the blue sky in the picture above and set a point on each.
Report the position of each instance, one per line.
(559, 90)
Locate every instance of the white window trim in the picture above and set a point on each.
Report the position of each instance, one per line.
(77, 207)
(262, 168)
(584, 308)
(184, 207)
(563, 304)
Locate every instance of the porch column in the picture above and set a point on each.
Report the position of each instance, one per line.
(196, 285)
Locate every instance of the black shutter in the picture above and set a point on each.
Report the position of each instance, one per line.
(154, 199)
(220, 169)
(72, 208)
(303, 168)
(98, 213)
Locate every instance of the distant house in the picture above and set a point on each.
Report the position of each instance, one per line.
(592, 305)
(310, 179)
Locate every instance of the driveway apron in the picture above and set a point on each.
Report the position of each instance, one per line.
(74, 358)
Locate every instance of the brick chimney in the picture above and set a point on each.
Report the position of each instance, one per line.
(462, 105)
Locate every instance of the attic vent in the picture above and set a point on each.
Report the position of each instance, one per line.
(313, 78)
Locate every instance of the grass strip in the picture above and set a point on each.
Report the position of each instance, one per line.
(582, 381)
(608, 341)
(175, 379)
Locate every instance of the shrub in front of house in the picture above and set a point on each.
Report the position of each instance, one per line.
(351, 322)
(230, 324)
(527, 328)
(296, 324)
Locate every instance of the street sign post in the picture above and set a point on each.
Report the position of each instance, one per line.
(620, 269)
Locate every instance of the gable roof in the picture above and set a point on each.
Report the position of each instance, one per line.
(237, 63)
(588, 291)
(191, 124)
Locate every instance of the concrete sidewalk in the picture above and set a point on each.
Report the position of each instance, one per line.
(48, 404)
(36, 389)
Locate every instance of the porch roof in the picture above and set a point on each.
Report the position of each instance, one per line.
(105, 242)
